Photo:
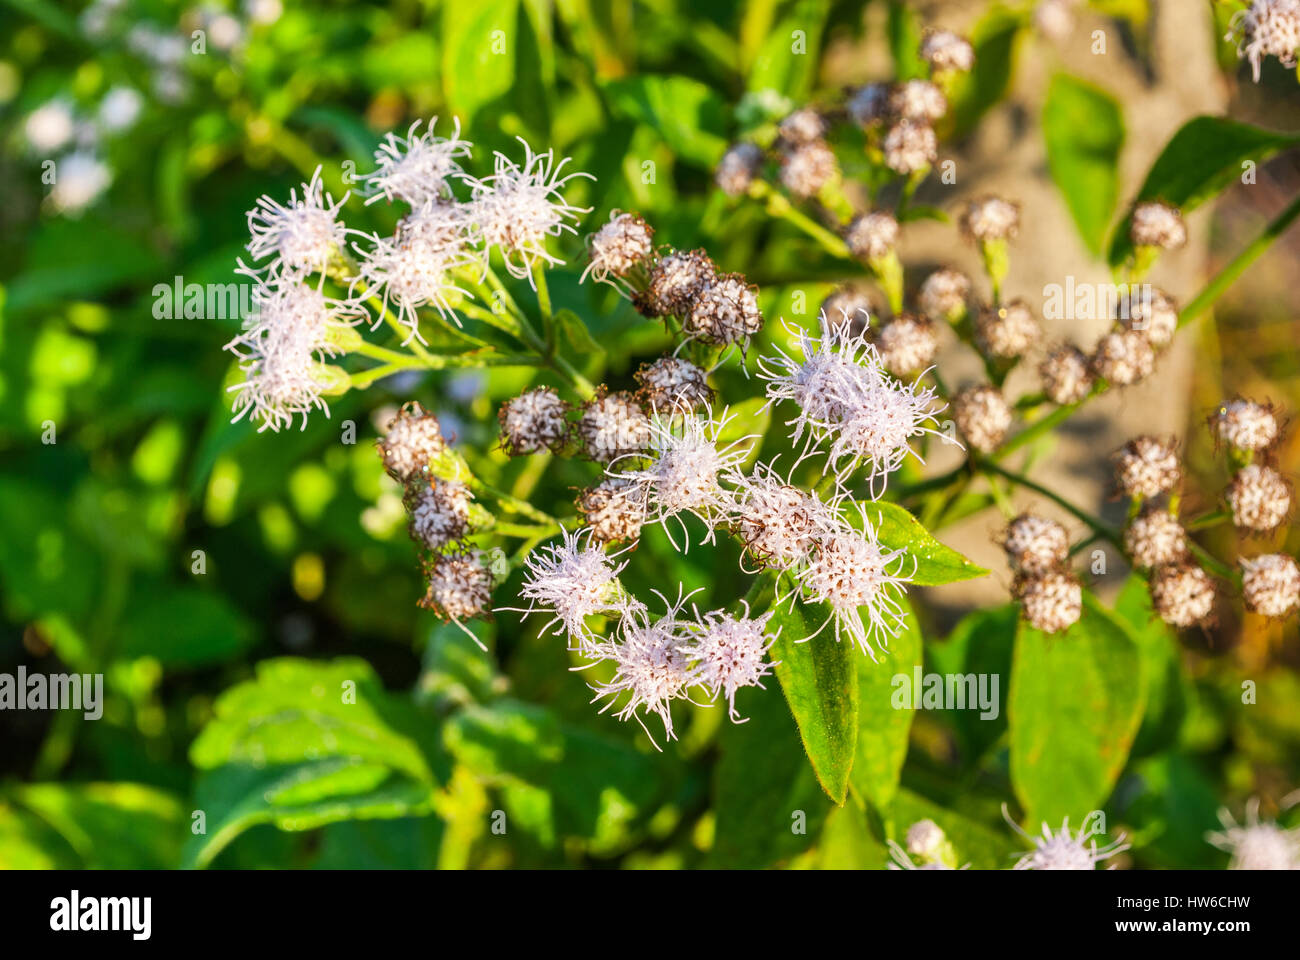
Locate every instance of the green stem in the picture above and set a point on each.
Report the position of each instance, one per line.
(1093, 523)
(524, 531)
(1207, 520)
(780, 206)
(513, 504)
(544, 305)
(1211, 563)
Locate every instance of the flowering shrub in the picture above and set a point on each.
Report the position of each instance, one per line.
(657, 452)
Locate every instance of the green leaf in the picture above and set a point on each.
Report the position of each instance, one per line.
(936, 564)
(1084, 130)
(184, 627)
(994, 39)
(980, 643)
(110, 826)
(747, 417)
(777, 65)
(478, 63)
(882, 728)
(1073, 710)
(904, 27)
(1203, 157)
(686, 114)
(980, 846)
(1163, 675)
(576, 332)
(819, 678)
(847, 843)
(303, 744)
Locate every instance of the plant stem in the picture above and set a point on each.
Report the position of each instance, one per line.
(1207, 520)
(779, 206)
(513, 504)
(1093, 523)
(544, 305)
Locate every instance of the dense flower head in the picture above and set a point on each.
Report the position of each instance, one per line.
(677, 279)
(1267, 28)
(983, 416)
(777, 522)
(413, 438)
(571, 582)
(1183, 594)
(684, 468)
(1256, 844)
(918, 100)
(1245, 425)
(947, 51)
(804, 125)
(614, 509)
(1156, 318)
(1035, 544)
(849, 306)
(859, 580)
(459, 585)
(673, 386)
(651, 665)
(989, 218)
(619, 246)
(808, 167)
(534, 420)
(1155, 538)
(872, 236)
(943, 294)
(1066, 375)
(725, 312)
(1051, 601)
(1147, 466)
(1065, 849)
(613, 425)
(1008, 330)
(1259, 497)
(439, 512)
(910, 146)
(1270, 584)
(519, 206)
(51, 126)
(1123, 357)
(415, 267)
(907, 344)
(1159, 225)
(419, 167)
(299, 236)
(738, 167)
(280, 353)
(729, 653)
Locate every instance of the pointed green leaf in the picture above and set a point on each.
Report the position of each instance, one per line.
(1073, 710)
(936, 564)
(819, 678)
(1084, 130)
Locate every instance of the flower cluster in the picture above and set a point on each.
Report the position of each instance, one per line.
(1050, 595)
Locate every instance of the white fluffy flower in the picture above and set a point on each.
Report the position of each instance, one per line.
(1267, 28)
(413, 438)
(1065, 849)
(120, 109)
(417, 168)
(1270, 584)
(859, 580)
(300, 236)
(684, 470)
(571, 582)
(728, 653)
(1157, 224)
(1256, 844)
(415, 267)
(1245, 425)
(80, 179)
(618, 247)
(518, 207)
(280, 351)
(946, 51)
(50, 127)
(814, 382)
(650, 665)
(777, 522)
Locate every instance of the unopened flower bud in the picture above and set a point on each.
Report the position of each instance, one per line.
(802, 127)
(439, 512)
(725, 312)
(1066, 376)
(619, 246)
(945, 51)
(910, 146)
(982, 416)
(943, 295)
(847, 305)
(1007, 331)
(1270, 584)
(671, 386)
(925, 839)
(1182, 594)
(1260, 498)
(1051, 601)
(1245, 425)
(1155, 538)
(677, 279)
(737, 168)
(613, 425)
(1146, 467)
(808, 167)
(918, 100)
(413, 438)
(872, 236)
(989, 218)
(907, 344)
(615, 510)
(1035, 544)
(459, 585)
(1123, 358)
(533, 421)
(1158, 225)
(1156, 319)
